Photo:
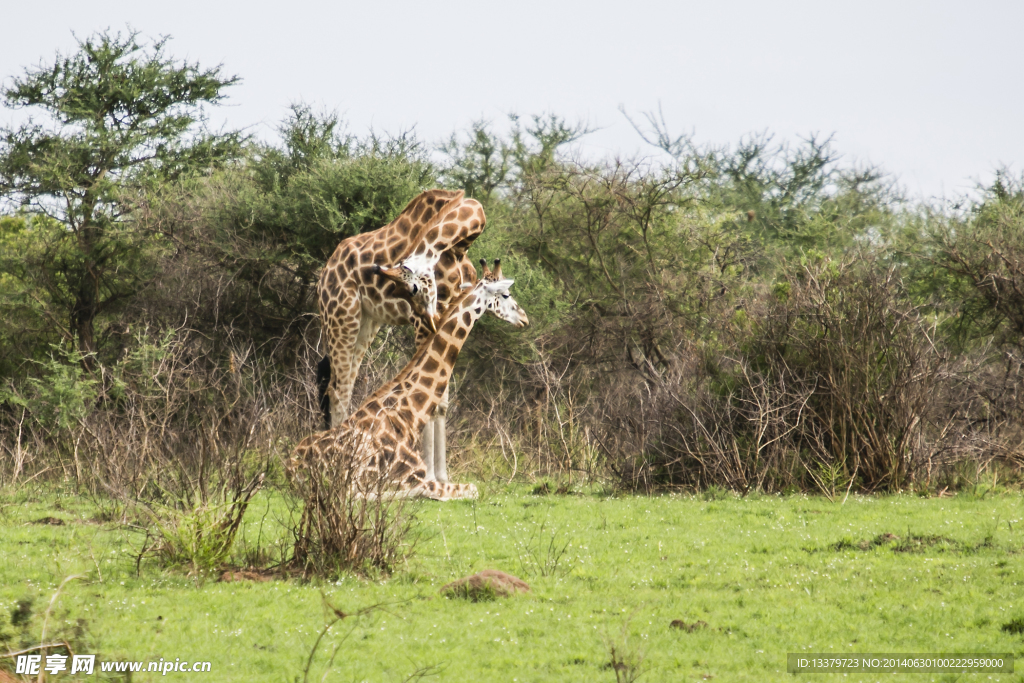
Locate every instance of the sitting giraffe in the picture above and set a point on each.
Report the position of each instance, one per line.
(385, 430)
(429, 237)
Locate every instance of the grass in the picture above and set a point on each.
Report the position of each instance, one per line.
(672, 588)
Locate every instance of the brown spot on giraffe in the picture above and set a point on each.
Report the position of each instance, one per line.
(438, 345)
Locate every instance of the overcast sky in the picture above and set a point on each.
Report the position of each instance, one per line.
(931, 91)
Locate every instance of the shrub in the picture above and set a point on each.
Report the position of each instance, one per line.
(349, 522)
(202, 538)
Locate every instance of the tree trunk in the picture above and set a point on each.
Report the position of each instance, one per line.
(83, 315)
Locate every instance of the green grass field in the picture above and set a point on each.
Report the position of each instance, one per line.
(751, 579)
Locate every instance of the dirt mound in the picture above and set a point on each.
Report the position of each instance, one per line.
(52, 521)
(487, 585)
(689, 628)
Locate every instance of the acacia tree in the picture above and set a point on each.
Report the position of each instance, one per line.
(118, 117)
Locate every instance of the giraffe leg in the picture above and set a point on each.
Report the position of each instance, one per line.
(436, 490)
(347, 350)
(427, 449)
(440, 439)
(431, 490)
(433, 448)
(342, 329)
(339, 389)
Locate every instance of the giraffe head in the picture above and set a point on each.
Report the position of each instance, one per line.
(492, 291)
(415, 276)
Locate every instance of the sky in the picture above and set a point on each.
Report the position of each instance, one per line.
(930, 91)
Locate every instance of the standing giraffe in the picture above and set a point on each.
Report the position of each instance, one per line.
(357, 295)
(384, 431)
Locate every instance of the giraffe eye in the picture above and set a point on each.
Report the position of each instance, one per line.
(505, 296)
(415, 289)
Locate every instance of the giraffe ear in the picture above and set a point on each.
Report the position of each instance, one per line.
(392, 273)
(421, 263)
(466, 285)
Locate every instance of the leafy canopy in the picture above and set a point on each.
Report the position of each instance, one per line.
(117, 111)
(109, 121)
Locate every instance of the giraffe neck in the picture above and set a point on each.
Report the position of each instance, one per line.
(424, 380)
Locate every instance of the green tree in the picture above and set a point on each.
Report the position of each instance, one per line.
(981, 255)
(486, 165)
(118, 116)
(800, 198)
